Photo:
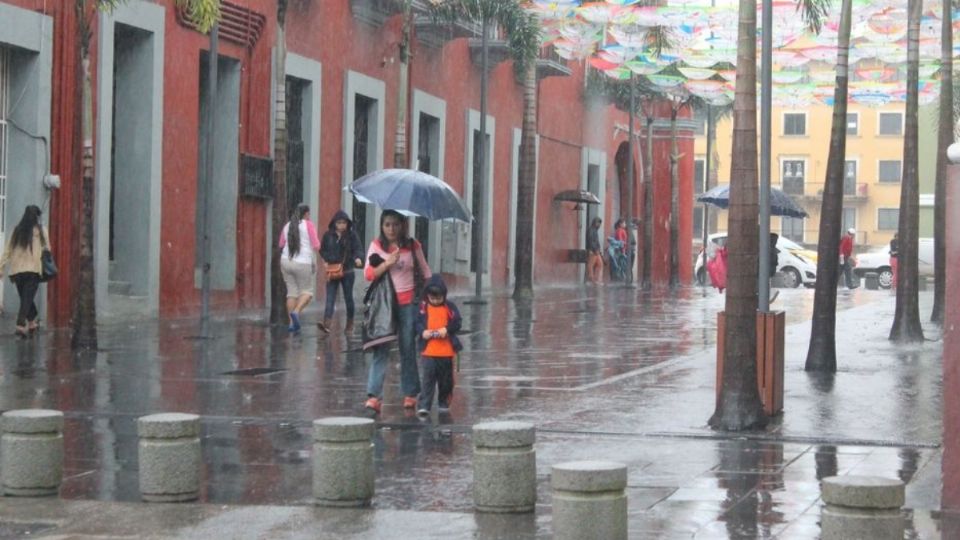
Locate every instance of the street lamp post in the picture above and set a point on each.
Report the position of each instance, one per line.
(766, 88)
(211, 121)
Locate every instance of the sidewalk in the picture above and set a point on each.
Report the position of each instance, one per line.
(604, 374)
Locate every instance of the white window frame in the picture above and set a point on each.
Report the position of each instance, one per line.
(433, 106)
(856, 132)
(806, 163)
(783, 118)
(879, 209)
(4, 134)
(880, 115)
(856, 177)
(803, 230)
(855, 216)
(703, 180)
(899, 172)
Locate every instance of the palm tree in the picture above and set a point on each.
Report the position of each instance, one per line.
(739, 406)
(84, 321)
(906, 319)
(278, 290)
(400, 160)
(524, 38)
(645, 281)
(944, 139)
(822, 354)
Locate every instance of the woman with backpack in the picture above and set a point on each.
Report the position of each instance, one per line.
(24, 256)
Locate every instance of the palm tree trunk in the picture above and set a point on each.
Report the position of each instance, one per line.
(648, 213)
(674, 201)
(526, 187)
(400, 160)
(278, 291)
(739, 406)
(822, 353)
(906, 319)
(84, 323)
(945, 138)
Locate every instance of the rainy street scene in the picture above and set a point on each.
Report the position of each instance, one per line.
(479, 269)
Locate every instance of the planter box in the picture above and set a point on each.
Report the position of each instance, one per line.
(770, 358)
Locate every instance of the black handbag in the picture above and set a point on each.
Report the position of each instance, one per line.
(48, 268)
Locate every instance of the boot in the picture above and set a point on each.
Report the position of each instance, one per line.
(325, 325)
(348, 328)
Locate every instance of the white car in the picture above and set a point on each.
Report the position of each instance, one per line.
(796, 264)
(878, 262)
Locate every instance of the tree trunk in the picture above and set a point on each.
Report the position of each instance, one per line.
(280, 215)
(400, 160)
(648, 213)
(822, 353)
(739, 406)
(84, 327)
(526, 188)
(674, 201)
(945, 138)
(906, 319)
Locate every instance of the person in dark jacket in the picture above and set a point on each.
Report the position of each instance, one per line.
(437, 324)
(594, 253)
(340, 245)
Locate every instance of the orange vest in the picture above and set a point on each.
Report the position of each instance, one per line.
(437, 318)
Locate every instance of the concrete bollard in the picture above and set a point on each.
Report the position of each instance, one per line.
(169, 457)
(504, 467)
(31, 450)
(343, 461)
(589, 500)
(861, 507)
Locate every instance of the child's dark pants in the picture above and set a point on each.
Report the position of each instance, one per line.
(435, 372)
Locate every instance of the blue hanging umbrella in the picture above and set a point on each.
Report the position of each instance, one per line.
(781, 204)
(412, 193)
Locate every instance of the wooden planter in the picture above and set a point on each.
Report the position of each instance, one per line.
(770, 358)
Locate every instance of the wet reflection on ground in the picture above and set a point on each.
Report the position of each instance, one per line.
(605, 373)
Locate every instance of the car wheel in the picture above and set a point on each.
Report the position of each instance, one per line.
(791, 278)
(885, 277)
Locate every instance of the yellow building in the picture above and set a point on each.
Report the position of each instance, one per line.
(801, 140)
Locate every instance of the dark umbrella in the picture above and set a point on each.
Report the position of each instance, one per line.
(781, 204)
(410, 192)
(577, 196)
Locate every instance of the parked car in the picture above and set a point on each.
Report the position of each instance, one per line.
(796, 264)
(878, 262)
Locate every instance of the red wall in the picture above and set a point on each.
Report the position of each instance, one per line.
(329, 33)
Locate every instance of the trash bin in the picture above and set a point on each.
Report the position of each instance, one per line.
(770, 358)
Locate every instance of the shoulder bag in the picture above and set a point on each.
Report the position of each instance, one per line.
(48, 268)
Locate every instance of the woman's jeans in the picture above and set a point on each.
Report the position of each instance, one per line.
(27, 284)
(409, 377)
(331, 301)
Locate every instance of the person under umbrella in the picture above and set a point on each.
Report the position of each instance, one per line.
(403, 258)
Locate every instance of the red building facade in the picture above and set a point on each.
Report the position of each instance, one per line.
(148, 69)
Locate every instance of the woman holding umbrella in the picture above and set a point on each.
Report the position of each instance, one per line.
(403, 258)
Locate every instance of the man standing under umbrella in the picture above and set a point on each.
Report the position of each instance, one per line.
(594, 253)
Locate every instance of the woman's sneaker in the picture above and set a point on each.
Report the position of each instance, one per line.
(443, 407)
(409, 402)
(295, 317)
(423, 413)
(373, 404)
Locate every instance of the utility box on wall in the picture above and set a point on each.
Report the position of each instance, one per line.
(455, 248)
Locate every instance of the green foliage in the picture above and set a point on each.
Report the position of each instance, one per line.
(205, 13)
(814, 13)
(618, 92)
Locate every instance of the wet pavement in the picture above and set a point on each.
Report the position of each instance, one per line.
(606, 373)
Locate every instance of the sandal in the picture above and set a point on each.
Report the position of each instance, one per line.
(22, 331)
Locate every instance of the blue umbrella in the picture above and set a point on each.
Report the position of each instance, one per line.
(412, 193)
(781, 204)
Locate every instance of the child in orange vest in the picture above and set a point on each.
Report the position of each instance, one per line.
(437, 325)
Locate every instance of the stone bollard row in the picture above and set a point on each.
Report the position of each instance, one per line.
(169, 457)
(504, 467)
(861, 507)
(343, 461)
(589, 500)
(32, 452)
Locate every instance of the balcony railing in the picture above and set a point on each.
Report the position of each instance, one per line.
(852, 191)
(551, 64)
